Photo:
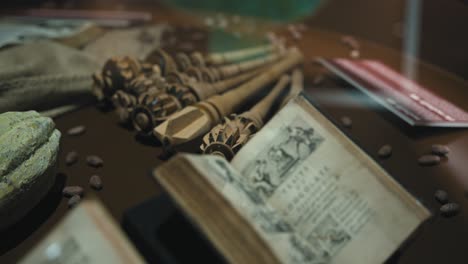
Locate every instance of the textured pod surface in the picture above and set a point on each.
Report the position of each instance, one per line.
(29, 144)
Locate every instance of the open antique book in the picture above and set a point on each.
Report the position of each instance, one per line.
(299, 192)
(88, 234)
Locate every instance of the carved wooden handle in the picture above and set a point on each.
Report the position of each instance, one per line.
(230, 56)
(297, 86)
(259, 112)
(232, 100)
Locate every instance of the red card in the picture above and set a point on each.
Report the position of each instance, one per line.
(409, 100)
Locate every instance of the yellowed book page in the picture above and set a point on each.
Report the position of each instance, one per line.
(330, 203)
(87, 235)
(247, 202)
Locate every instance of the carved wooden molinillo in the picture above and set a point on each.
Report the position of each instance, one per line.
(183, 67)
(196, 120)
(155, 106)
(125, 100)
(183, 61)
(117, 74)
(236, 55)
(227, 138)
(124, 80)
(222, 72)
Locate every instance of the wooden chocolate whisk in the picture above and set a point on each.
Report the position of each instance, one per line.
(198, 119)
(227, 138)
(124, 79)
(218, 73)
(116, 74)
(154, 106)
(124, 100)
(181, 68)
(181, 61)
(235, 55)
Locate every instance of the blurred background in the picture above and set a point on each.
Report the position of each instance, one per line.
(443, 28)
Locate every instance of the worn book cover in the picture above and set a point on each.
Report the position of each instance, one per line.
(307, 193)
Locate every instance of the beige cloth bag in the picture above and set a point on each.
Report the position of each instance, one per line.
(44, 75)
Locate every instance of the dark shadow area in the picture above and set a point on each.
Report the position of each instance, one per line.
(166, 154)
(163, 234)
(192, 247)
(104, 106)
(127, 126)
(15, 234)
(147, 140)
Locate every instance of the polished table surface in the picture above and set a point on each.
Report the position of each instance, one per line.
(128, 158)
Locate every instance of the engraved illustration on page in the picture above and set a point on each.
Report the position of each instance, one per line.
(318, 216)
(293, 144)
(330, 235)
(263, 216)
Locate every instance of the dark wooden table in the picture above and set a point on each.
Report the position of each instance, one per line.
(127, 161)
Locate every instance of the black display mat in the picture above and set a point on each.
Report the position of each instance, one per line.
(163, 234)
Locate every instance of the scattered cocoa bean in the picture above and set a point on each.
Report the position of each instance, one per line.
(95, 182)
(76, 131)
(70, 191)
(71, 158)
(449, 209)
(385, 151)
(350, 42)
(440, 150)
(318, 79)
(355, 54)
(94, 161)
(441, 196)
(346, 121)
(429, 160)
(73, 201)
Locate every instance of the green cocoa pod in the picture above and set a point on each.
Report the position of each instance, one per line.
(29, 145)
